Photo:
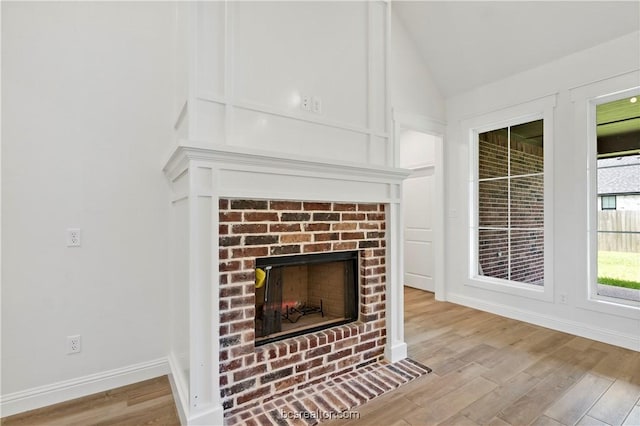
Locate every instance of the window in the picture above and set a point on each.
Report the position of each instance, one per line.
(608, 202)
(611, 138)
(510, 203)
(617, 222)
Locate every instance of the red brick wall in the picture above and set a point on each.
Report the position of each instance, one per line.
(527, 209)
(249, 229)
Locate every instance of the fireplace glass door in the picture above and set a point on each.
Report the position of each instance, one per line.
(300, 294)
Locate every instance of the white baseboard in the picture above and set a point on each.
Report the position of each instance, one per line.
(210, 415)
(54, 393)
(560, 324)
(179, 389)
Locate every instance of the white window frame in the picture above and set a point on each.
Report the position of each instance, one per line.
(584, 99)
(593, 300)
(544, 109)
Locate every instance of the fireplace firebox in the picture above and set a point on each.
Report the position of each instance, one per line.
(304, 293)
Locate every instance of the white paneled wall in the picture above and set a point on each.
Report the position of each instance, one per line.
(251, 65)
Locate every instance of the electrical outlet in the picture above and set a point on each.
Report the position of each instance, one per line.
(74, 344)
(305, 103)
(563, 298)
(316, 105)
(73, 237)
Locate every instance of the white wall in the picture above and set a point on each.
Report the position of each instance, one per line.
(570, 193)
(86, 114)
(180, 68)
(412, 87)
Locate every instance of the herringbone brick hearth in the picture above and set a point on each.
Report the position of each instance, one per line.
(332, 399)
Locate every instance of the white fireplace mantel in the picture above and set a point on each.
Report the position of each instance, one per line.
(199, 177)
(251, 162)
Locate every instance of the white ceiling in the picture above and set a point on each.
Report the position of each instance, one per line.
(469, 44)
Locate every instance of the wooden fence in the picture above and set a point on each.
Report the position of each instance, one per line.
(618, 223)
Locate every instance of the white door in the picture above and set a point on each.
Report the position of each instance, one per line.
(417, 152)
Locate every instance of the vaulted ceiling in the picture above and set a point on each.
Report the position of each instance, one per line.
(469, 44)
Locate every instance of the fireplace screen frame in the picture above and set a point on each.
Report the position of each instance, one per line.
(352, 287)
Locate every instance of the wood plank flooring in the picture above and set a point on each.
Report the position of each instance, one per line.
(145, 403)
(488, 370)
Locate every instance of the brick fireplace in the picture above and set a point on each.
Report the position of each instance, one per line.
(251, 229)
(233, 205)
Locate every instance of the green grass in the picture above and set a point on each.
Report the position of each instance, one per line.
(618, 283)
(620, 269)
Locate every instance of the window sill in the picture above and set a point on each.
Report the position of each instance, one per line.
(530, 291)
(611, 305)
(624, 296)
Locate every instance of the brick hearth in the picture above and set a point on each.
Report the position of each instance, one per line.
(325, 401)
(248, 229)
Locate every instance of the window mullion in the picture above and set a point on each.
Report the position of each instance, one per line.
(509, 202)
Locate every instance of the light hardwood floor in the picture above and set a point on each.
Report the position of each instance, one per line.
(145, 403)
(488, 370)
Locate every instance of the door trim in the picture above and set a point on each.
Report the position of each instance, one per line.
(403, 120)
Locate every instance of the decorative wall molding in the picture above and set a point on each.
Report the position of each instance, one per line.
(181, 115)
(266, 109)
(419, 122)
(370, 133)
(54, 393)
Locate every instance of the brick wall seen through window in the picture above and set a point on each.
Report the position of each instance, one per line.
(511, 203)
